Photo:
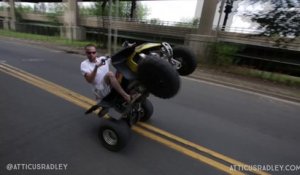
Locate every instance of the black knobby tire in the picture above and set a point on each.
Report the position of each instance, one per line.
(147, 110)
(187, 59)
(114, 134)
(159, 77)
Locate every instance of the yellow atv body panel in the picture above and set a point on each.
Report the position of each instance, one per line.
(139, 49)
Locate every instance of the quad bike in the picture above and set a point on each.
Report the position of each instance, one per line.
(150, 68)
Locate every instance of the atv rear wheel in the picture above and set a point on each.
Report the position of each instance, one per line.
(146, 111)
(159, 77)
(114, 134)
(187, 59)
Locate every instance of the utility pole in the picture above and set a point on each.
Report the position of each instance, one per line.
(109, 27)
(227, 11)
(115, 29)
(133, 9)
(220, 14)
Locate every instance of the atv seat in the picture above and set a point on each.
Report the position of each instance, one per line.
(119, 61)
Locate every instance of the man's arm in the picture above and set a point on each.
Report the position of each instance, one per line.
(90, 77)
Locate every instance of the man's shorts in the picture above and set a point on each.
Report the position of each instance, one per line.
(102, 91)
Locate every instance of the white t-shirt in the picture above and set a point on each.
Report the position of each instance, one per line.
(99, 86)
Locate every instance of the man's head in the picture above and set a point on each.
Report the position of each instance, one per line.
(90, 51)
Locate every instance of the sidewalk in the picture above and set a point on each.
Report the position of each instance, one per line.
(209, 75)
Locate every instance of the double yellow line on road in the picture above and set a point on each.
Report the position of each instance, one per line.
(200, 153)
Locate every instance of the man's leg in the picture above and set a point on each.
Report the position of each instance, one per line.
(111, 80)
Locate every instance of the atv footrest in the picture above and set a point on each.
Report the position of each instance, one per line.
(114, 114)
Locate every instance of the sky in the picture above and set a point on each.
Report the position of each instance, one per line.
(185, 9)
(171, 10)
(182, 10)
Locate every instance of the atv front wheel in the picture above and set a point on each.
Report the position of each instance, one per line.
(159, 77)
(187, 59)
(114, 134)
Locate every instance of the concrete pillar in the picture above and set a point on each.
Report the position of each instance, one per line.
(201, 42)
(207, 17)
(6, 17)
(9, 22)
(71, 29)
(12, 15)
(6, 24)
(202, 46)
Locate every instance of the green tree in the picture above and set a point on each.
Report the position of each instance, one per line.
(281, 19)
(188, 22)
(102, 9)
(56, 8)
(19, 9)
(24, 9)
(142, 11)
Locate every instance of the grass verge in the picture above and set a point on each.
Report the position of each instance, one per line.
(283, 79)
(44, 38)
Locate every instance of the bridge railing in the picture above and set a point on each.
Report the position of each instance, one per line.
(255, 39)
(147, 21)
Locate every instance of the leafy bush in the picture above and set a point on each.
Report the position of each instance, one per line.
(224, 54)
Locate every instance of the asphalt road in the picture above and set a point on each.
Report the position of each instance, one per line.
(214, 126)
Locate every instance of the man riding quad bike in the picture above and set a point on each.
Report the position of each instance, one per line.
(150, 68)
